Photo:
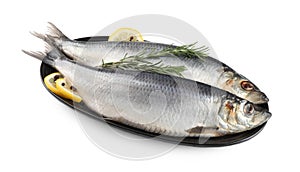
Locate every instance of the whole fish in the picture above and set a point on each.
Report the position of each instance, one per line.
(158, 103)
(208, 70)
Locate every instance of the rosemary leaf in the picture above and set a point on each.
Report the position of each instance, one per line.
(140, 61)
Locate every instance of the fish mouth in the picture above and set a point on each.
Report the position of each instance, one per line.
(267, 115)
(264, 98)
(264, 107)
(258, 98)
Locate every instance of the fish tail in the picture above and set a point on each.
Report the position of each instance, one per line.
(55, 33)
(38, 55)
(50, 56)
(54, 38)
(44, 38)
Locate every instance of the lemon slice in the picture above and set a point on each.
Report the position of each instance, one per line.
(49, 81)
(126, 34)
(67, 91)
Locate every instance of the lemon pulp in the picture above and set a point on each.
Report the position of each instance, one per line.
(49, 81)
(58, 85)
(126, 34)
(67, 91)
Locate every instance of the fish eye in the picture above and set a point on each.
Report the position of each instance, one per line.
(246, 85)
(248, 109)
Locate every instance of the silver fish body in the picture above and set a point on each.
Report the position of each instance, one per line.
(208, 70)
(158, 103)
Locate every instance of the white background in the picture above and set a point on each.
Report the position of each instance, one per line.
(260, 39)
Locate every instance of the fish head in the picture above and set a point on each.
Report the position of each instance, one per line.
(242, 87)
(242, 115)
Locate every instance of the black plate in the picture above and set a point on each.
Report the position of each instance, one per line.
(191, 141)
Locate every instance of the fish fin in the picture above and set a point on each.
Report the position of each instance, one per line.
(49, 41)
(152, 129)
(51, 45)
(40, 36)
(54, 32)
(49, 56)
(47, 38)
(38, 55)
(107, 118)
(201, 130)
(54, 38)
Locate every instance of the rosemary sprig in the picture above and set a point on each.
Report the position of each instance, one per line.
(140, 61)
(188, 51)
